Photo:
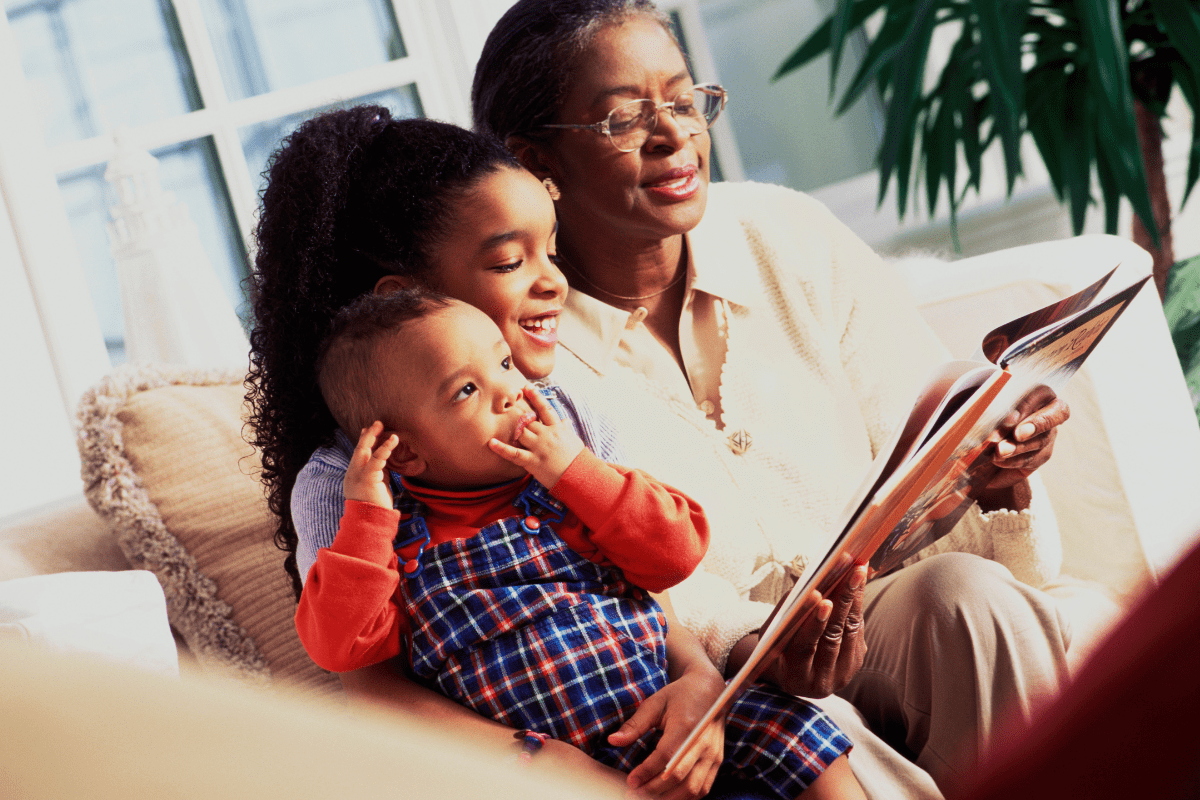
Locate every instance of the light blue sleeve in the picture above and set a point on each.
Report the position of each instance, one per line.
(317, 500)
(594, 429)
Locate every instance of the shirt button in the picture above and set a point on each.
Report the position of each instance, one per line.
(740, 441)
(636, 317)
(708, 407)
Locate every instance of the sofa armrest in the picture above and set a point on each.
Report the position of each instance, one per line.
(1126, 466)
(63, 536)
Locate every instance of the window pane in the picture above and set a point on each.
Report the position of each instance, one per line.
(191, 172)
(786, 130)
(94, 65)
(260, 141)
(264, 45)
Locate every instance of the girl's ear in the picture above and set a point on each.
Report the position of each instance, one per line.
(390, 284)
(404, 459)
(537, 157)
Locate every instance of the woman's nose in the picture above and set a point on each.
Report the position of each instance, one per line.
(667, 131)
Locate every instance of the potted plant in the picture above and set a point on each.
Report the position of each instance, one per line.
(1089, 80)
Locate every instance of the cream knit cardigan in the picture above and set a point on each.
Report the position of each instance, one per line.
(821, 364)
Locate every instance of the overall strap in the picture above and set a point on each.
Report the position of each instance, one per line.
(539, 505)
(410, 530)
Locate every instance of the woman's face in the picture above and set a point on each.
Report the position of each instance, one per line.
(654, 192)
(496, 255)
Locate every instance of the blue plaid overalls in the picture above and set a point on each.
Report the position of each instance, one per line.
(516, 625)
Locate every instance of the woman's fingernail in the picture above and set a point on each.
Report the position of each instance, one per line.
(823, 611)
(858, 578)
(1024, 431)
(1006, 448)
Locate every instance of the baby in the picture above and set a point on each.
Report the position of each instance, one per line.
(517, 583)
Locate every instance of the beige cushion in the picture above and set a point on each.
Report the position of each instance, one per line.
(165, 463)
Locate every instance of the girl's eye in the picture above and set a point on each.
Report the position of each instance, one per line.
(465, 392)
(502, 268)
(506, 363)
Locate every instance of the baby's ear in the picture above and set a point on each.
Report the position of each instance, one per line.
(404, 459)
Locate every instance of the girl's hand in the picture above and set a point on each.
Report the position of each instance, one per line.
(674, 710)
(549, 445)
(367, 478)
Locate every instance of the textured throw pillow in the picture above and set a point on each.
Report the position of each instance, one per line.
(164, 462)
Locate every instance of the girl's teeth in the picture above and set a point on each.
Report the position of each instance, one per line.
(545, 323)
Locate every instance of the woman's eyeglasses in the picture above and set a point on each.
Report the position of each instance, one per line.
(629, 125)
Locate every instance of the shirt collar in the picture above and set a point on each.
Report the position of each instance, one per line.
(591, 328)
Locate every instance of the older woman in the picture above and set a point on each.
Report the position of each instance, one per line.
(756, 354)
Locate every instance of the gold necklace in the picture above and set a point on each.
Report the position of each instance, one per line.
(671, 285)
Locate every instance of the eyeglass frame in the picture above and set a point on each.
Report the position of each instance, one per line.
(603, 125)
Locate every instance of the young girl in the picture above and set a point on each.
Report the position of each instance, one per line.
(355, 203)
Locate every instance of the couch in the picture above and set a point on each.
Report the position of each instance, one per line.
(171, 487)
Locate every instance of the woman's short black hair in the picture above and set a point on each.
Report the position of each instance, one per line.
(529, 59)
(352, 196)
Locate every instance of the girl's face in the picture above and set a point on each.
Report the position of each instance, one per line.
(654, 192)
(497, 255)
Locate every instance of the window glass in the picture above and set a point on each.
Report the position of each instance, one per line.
(264, 45)
(189, 170)
(260, 141)
(94, 65)
(786, 130)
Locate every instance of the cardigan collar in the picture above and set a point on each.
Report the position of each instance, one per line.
(591, 328)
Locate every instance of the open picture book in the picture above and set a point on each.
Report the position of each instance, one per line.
(924, 480)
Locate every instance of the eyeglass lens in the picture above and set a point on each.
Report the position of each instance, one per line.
(630, 124)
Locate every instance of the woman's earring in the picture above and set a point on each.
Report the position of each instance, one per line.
(552, 188)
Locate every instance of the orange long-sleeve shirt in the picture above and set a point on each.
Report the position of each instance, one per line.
(350, 615)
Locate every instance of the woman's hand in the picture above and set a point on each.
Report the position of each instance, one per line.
(829, 648)
(675, 710)
(1024, 442)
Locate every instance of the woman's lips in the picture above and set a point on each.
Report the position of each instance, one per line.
(678, 184)
(543, 329)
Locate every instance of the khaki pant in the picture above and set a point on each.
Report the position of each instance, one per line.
(955, 646)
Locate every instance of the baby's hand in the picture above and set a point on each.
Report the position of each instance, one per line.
(367, 477)
(550, 445)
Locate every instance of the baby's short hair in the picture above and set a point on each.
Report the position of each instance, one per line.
(348, 371)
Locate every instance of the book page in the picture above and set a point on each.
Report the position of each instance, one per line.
(1001, 338)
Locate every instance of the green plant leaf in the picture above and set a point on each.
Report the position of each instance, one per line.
(877, 60)
(1000, 50)
(1182, 25)
(1108, 84)
(1110, 191)
(1046, 120)
(1078, 121)
(972, 144)
(1189, 86)
(818, 41)
(837, 40)
(899, 131)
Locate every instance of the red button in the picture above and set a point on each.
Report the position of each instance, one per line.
(411, 566)
(532, 523)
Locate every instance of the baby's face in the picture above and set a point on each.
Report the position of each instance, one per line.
(460, 389)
